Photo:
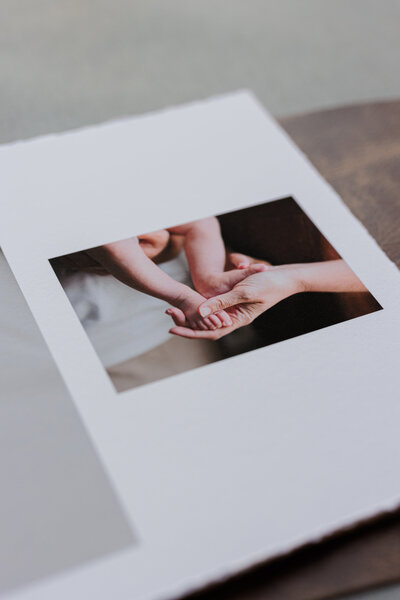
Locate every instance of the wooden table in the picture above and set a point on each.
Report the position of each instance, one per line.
(357, 149)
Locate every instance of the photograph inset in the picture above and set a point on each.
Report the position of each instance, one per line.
(172, 300)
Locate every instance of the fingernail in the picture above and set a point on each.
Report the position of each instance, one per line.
(229, 322)
(205, 311)
(168, 311)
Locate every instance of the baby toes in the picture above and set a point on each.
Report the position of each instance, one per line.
(239, 261)
(224, 318)
(259, 267)
(215, 320)
(209, 323)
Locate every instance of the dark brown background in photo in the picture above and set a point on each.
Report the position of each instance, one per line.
(280, 232)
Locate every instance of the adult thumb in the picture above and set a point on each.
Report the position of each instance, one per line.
(213, 305)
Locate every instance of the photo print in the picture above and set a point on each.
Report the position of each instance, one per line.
(165, 302)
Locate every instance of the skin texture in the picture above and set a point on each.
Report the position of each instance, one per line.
(260, 291)
(206, 255)
(132, 261)
(224, 300)
(159, 246)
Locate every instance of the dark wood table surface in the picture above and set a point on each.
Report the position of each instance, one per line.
(357, 149)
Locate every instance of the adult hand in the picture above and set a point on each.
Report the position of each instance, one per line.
(259, 292)
(244, 303)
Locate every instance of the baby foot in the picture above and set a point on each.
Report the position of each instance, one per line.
(214, 321)
(242, 261)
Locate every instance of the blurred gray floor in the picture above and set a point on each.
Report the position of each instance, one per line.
(68, 64)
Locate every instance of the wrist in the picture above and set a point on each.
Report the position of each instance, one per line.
(301, 280)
